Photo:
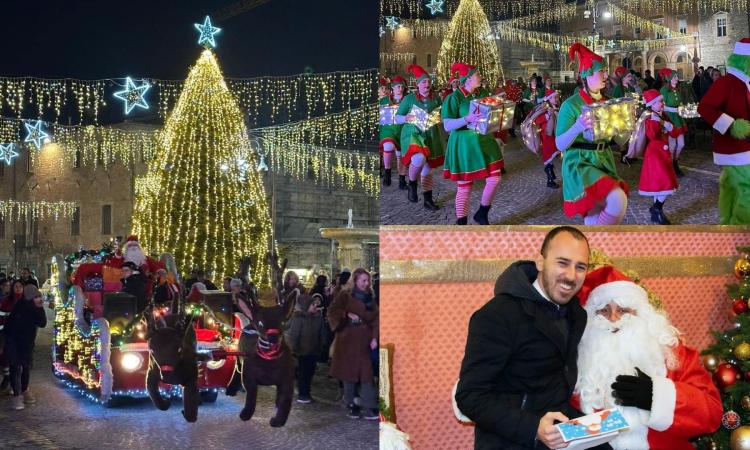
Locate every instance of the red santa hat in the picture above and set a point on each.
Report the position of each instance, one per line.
(383, 81)
(620, 71)
(588, 61)
(607, 284)
(398, 79)
(667, 74)
(549, 93)
(463, 70)
(418, 72)
(651, 96)
(742, 47)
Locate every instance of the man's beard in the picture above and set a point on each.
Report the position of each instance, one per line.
(134, 253)
(610, 349)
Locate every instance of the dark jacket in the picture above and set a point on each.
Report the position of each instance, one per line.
(22, 323)
(305, 333)
(135, 285)
(516, 367)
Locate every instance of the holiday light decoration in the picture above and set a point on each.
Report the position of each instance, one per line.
(493, 8)
(682, 7)
(611, 118)
(207, 32)
(7, 153)
(132, 95)
(200, 214)
(422, 119)
(435, 6)
(391, 22)
(554, 14)
(35, 134)
(466, 41)
(387, 114)
(42, 209)
(623, 17)
(400, 58)
(689, 111)
(495, 113)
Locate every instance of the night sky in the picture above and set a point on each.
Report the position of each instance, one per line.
(155, 38)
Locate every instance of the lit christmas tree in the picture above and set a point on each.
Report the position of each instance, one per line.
(729, 360)
(202, 199)
(469, 39)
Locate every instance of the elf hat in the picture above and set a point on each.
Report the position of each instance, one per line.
(588, 61)
(398, 79)
(383, 81)
(667, 74)
(742, 47)
(651, 96)
(549, 93)
(463, 70)
(621, 71)
(418, 72)
(607, 284)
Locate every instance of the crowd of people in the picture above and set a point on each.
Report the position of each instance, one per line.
(591, 185)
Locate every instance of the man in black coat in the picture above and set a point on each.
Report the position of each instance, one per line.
(519, 369)
(134, 283)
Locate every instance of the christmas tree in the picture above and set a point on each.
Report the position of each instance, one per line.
(202, 199)
(729, 360)
(470, 40)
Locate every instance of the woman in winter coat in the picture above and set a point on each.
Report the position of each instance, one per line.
(305, 335)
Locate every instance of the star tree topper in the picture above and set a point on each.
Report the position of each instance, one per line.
(133, 95)
(35, 134)
(391, 22)
(436, 6)
(207, 30)
(7, 153)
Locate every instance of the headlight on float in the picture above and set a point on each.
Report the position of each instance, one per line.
(213, 365)
(131, 361)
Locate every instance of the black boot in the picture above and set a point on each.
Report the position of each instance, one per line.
(552, 169)
(387, 177)
(402, 182)
(462, 221)
(677, 170)
(550, 176)
(412, 195)
(428, 203)
(503, 171)
(657, 214)
(480, 216)
(512, 132)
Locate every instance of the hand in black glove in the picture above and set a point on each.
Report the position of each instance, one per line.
(635, 391)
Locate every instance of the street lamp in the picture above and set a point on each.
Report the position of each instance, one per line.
(607, 15)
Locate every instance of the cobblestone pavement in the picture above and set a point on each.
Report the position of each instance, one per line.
(62, 419)
(524, 198)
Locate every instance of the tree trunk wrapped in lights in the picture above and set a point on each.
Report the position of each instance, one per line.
(469, 39)
(202, 199)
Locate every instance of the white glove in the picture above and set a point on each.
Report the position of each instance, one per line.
(668, 126)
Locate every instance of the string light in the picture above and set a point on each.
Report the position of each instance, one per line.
(10, 209)
(466, 41)
(400, 58)
(7, 153)
(193, 214)
(391, 22)
(35, 134)
(132, 95)
(435, 6)
(493, 8)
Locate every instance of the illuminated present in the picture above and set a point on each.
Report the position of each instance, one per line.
(422, 119)
(611, 118)
(496, 113)
(689, 111)
(388, 114)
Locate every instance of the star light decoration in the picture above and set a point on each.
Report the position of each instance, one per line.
(207, 31)
(435, 6)
(7, 153)
(133, 95)
(35, 134)
(391, 22)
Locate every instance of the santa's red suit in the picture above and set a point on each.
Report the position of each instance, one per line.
(722, 105)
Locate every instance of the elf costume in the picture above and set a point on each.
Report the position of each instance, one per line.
(390, 135)
(620, 90)
(421, 150)
(470, 155)
(728, 111)
(546, 123)
(588, 168)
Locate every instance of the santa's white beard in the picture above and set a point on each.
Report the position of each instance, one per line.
(643, 342)
(134, 253)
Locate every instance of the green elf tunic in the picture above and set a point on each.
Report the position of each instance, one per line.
(672, 99)
(431, 142)
(619, 91)
(470, 155)
(588, 175)
(390, 133)
(534, 98)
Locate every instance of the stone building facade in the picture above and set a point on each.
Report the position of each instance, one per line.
(105, 198)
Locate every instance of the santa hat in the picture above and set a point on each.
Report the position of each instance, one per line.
(588, 61)
(383, 81)
(651, 96)
(607, 284)
(463, 70)
(549, 93)
(398, 79)
(620, 71)
(742, 47)
(667, 74)
(418, 72)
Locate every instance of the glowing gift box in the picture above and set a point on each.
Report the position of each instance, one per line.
(496, 113)
(611, 118)
(387, 114)
(422, 119)
(689, 111)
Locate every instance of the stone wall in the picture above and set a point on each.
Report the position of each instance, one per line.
(714, 49)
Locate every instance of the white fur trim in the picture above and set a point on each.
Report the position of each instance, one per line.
(736, 159)
(651, 194)
(663, 404)
(723, 123)
(624, 293)
(552, 158)
(106, 376)
(457, 412)
(659, 97)
(740, 48)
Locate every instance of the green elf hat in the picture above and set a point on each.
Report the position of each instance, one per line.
(740, 57)
(418, 72)
(398, 79)
(667, 74)
(463, 71)
(588, 61)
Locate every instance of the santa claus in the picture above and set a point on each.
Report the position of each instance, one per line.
(631, 357)
(131, 251)
(728, 112)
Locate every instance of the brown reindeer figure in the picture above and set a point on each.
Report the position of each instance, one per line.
(270, 361)
(173, 360)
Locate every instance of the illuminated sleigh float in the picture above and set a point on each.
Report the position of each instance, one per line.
(99, 346)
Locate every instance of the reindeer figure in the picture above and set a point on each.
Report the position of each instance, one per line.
(173, 360)
(270, 363)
